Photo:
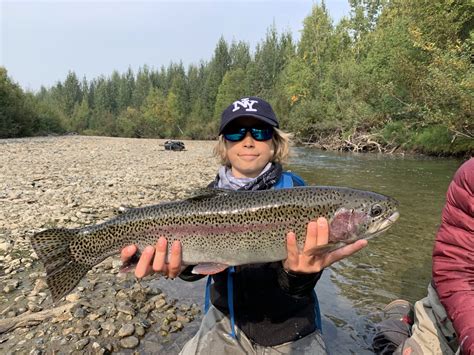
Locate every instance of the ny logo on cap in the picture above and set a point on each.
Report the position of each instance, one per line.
(245, 103)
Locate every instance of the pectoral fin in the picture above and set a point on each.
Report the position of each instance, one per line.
(209, 268)
(323, 249)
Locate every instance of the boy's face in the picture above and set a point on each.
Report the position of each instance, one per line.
(248, 157)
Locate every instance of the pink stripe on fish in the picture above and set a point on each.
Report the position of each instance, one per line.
(188, 229)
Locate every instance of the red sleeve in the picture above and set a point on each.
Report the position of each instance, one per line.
(453, 256)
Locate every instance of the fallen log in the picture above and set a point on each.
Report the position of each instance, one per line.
(33, 318)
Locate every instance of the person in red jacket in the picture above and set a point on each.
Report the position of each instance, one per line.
(444, 319)
(453, 256)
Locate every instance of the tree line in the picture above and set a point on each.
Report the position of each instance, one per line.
(393, 75)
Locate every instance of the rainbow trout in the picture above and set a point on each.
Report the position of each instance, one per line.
(217, 228)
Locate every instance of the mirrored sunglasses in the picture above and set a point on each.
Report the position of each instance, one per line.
(259, 134)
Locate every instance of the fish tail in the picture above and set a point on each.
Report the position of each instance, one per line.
(63, 272)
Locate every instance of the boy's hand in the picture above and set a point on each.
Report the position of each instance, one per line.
(153, 259)
(317, 234)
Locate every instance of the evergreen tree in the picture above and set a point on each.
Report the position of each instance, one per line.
(234, 85)
(142, 87)
(217, 68)
(239, 54)
(125, 90)
(71, 93)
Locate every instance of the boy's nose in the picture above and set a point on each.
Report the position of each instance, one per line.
(248, 140)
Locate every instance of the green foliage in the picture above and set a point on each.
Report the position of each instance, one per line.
(80, 117)
(396, 133)
(129, 123)
(23, 114)
(439, 140)
(14, 116)
(234, 85)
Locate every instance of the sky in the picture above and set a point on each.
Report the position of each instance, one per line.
(40, 41)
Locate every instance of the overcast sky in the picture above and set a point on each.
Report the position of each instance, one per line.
(40, 41)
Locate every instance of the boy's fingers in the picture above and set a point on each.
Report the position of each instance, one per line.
(160, 255)
(144, 262)
(292, 248)
(127, 252)
(323, 231)
(174, 266)
(312, 236)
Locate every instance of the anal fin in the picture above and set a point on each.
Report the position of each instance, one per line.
(209, 268)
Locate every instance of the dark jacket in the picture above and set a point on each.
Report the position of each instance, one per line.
(453, 256)
(271, 305)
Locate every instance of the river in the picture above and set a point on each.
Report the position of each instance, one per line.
(396, 265)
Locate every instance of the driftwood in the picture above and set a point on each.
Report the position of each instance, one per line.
(34, 318)
(357, 142)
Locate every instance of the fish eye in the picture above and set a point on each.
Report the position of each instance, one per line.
(376, 211)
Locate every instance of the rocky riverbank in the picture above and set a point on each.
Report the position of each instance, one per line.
(74, 181)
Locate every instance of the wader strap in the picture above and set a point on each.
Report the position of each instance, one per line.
(285, 181)
(207, 297)
(317, 312)
(230, 299)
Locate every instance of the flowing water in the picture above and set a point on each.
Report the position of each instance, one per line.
(395, 265)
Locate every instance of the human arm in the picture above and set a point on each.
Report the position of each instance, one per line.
(453, 256)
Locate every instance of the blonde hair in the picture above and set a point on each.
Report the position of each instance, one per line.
(281, 144)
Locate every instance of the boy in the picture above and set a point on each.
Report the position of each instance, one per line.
(267, 307)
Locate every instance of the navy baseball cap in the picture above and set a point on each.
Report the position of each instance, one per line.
(249, 106)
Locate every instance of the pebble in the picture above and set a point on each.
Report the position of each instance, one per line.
(160, 304)
(33, 307)
(171, 317)
(126, 330)
(67, 331)
(11, 314)
(80, 313)
(126, 309)
(73, 297)
(175, 326)
(81, 344)
(94, 332)
(139, 330)
(5, 246)
(11, 285)
(129, 342)
(29, 335)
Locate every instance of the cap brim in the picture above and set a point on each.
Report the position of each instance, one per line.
(260, 118)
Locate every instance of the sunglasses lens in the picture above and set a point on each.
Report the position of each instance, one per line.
(237, 135)
(262, 134)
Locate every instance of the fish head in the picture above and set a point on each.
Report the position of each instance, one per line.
(363, 217)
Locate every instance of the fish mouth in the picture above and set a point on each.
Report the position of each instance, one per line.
(383, 225)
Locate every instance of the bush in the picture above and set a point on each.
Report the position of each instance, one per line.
(396, 133)
(438, 140)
